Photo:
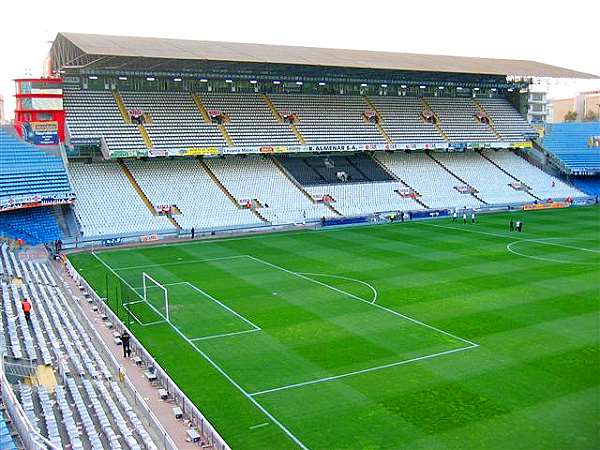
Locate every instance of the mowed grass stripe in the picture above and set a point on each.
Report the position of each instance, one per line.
(512, 392)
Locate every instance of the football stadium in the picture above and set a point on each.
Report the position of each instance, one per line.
(244, 246)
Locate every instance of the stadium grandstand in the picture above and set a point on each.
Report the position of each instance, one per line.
(144, 140)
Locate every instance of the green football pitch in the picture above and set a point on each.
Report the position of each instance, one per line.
(421, 335)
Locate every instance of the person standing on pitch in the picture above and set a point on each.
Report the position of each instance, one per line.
(454, 216)
(473, 217)
(464, 217)
(26, 305)
(193, 231)
(511, 225)
(125, 338)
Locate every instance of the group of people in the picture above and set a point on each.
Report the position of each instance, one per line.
(464, 216)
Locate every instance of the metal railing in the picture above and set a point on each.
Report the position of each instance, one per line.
(189, 409)
(31, 438)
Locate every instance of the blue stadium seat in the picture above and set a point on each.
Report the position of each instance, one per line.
(33, 225)
(6, 440)
(570, 143)
(26, 170)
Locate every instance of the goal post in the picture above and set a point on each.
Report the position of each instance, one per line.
(155, 295)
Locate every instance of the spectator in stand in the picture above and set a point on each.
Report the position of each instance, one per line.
(26, 305)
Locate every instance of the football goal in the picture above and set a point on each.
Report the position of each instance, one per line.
(155, 295)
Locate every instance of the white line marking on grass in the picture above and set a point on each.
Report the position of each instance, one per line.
(260, 425)
(391, 311)
(255, 327)
(370, 369)
(512, 236)
(510, 248)
(215, 336)
(346, 278)
(287, 432)
(187, 261)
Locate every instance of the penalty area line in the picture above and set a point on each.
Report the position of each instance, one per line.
(358, 372)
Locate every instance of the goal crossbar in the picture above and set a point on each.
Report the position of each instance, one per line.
(147, 279)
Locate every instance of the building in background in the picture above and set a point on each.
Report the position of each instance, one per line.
(583, 104)
(537, 111)
(2, 119)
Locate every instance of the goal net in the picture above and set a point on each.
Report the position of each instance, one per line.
(155, 295)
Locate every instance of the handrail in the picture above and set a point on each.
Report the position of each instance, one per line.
(32, 439)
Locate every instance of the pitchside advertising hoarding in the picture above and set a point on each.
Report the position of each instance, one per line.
(277, 149)
(41, 133)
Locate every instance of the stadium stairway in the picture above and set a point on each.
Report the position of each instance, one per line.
(490, 123)
(509, 174)
(201, 108)
(378, 125)
(127, 119)
(221, 186)
(204, 113)
(458, 178)
(137, 187)
(143, 195)
(226, 135)
(216, 180)
(397, 178)
(271, 106)
(277, 116)
(437, 120)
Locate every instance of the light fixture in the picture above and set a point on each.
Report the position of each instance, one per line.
(93, 77)
(177, 79)
(299, 83)
(203, 80)
(363, 84)
(321, 83)
(228, 81)
(384, 85)
(493, 89)
(123, 78)
(150, 78)
(510, 89)
(475, 89)
(459, 88)
(422, 87)
(440, 87)
(276, 82)
(253, 82)
(403, 86)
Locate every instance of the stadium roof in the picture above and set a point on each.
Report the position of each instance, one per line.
(190, 50)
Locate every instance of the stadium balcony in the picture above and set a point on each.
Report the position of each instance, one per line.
(570, 144)
(176, 120)
(92, 115)
(402, 120)
(506, 120)
(457, 120)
